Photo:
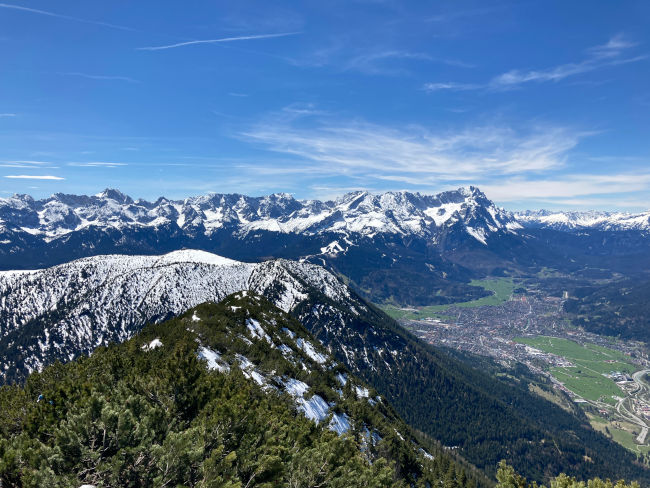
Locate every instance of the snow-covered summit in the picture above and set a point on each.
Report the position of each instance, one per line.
(70, 309)
(358, 213)
(567, 220)
(195, 256)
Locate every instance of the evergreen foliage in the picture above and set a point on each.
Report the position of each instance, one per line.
(133, 415)
(508, 478)
(465, 407)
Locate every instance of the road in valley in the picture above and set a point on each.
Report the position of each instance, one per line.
(641, 391)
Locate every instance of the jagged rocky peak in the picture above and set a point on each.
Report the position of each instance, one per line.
(356, 200)
(470, 195)
(355, 214)
(277, 205)
(21, 197)
(117, 195)
(56, 213)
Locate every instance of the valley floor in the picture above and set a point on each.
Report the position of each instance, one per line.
(604, 376)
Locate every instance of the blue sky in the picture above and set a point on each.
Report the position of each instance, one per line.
(539, 103)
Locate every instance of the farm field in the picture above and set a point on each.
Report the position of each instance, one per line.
(588, 385)
(621, 433)
(590, 361)
(501, 289)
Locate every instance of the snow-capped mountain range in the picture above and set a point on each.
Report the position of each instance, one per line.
(606, 221)
(354, 215)
(396, 246)
(357, 213)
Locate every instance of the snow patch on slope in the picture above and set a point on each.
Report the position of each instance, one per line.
(340, 423)
(310, 351)
(155, 344)
(213, 359)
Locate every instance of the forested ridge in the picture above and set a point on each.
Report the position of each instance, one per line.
(150, 412)
(619, 309)
(483, 417)
(507, 477)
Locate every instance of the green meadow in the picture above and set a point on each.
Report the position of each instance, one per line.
(590, 361)
(501, 289)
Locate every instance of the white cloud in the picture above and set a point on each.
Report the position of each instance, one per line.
(613, 47)
(377, 62)
(460, 14)
(534, 165)
(27, 164)
(369, 61)
(7, 115)
(599, 57)
(451, 85)
(517, 77)
(412, 153)
(567, 186)
(98, 164)
(215, 41)
(101, 77)
(34, 177)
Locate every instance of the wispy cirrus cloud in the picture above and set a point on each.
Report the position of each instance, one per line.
(452, 86)
(34, 177)
(537, 165)
(217, 41)
(614, 47)
(100, 77)
(549, 187)
(7, 115)
(463, 14)
(571, 187)
(27, 164)
(378, 152)
(599, 57)
(97, 164)
(370, 61)
(62, 16)
(378, 62)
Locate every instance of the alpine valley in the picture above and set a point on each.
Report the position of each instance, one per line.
(293, 305)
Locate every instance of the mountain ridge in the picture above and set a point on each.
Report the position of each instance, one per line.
(486, 418)
(398, 212)
(399, 248)
(222, 395)
(80, 300)
(357, 212)
(580, 220)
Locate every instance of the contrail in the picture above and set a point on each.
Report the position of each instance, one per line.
(61, 16)
(214, 41)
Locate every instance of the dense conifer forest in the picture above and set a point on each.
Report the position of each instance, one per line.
(151, 412)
